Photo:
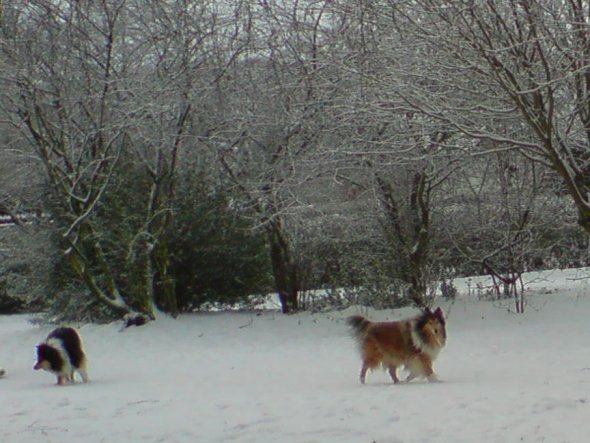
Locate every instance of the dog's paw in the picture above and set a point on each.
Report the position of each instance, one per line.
(434, 379)
(2, 372)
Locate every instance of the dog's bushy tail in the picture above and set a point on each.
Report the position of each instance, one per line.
(358, 326)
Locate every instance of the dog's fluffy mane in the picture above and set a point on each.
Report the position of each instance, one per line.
(70, 340)
(51, 353)
(422, 341)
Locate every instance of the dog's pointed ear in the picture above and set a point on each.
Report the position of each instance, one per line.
(439, 314)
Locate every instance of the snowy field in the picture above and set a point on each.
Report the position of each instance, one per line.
(242, 377)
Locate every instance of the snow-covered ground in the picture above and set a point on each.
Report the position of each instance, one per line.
(242, 377)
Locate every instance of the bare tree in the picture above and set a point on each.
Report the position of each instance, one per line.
(99, 89)
(503, 211)
(278, 121)
(513, 72)
(401, 156)
(66, 117)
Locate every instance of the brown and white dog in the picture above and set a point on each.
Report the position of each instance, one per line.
(62, 354)
(414, 344)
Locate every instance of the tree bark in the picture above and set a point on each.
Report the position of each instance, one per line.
(284, 270)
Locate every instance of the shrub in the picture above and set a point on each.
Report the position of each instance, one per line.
(216, 257)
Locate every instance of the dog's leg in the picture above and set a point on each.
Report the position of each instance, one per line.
(364, 370)
(420, 366)
(61, 379)
(427, 370)
(393, 373)
(410, 377)
(84, 374)
(83, 370)
(433, 378)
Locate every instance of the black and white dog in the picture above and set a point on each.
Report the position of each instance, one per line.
(62, 353)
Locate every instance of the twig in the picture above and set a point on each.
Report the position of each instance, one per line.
(247, 324)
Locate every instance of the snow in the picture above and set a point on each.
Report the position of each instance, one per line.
(266, 377)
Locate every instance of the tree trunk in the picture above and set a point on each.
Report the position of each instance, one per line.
(412, 243)
(84, 253)
(284, 269)
(164, 282)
